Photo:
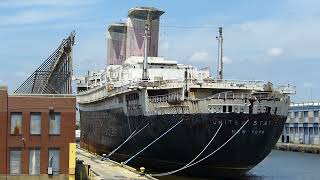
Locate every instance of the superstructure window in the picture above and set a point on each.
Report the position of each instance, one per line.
(54, 161)
(133, 96)
(16, 123)
(54, 123)
(34, 162)
(15, 162)
(224, 108)
(35, 123)
(120, 99)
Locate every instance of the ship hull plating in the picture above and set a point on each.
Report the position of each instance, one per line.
(103, 131)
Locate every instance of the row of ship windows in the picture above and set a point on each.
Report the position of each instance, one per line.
(226, 109)
(301, 114)
(35, 123)
(34, 161)
(242, 109)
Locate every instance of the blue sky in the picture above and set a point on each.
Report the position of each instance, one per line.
(276, 40)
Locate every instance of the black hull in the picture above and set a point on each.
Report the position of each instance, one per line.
(103, 131)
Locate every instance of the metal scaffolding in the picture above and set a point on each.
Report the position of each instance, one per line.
(54, 76)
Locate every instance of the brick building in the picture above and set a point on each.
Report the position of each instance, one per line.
(37, 133)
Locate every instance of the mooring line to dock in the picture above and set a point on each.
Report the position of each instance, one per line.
(191, 162)
(133, 134)
(213, 137)
(152, 142)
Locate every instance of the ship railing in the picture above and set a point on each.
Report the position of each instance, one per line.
(171, 97)
(172, 83)
(119, 89)
(91, 90)
(100, 93)
(214, 83)
(237, 81)
(286, 89)
(243, 84)
(232, 95)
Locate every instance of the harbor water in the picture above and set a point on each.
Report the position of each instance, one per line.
(279, 165)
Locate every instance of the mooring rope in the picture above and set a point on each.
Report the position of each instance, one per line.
(213, 137)
(133, 134)
(191, 162)
(152, 142)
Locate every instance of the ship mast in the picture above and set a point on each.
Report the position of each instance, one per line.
(145, 76)
(220, 55)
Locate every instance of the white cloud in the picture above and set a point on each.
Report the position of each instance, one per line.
(32, 3)
(199, 56)
(34, 16)
(226, 60)
(275, 51)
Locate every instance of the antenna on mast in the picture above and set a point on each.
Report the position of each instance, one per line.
(145, 76)
(220, 55)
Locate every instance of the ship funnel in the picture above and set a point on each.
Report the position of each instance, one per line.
(137, 20)
(116, 43)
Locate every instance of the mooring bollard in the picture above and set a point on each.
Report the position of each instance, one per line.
(142, 169)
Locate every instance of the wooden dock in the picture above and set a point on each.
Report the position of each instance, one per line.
(109, 169)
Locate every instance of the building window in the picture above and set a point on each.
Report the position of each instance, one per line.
(16, 123)
(291, 130)
(316, 113)
(54, 160)
(35, 123)
(295, 130)
(34, 162)
(54, 123)
(287, 130)
(15, 162)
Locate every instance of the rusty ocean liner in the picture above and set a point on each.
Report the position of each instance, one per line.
(146, 110)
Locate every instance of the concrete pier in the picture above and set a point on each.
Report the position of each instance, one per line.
(308, 148)
(109, 169)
